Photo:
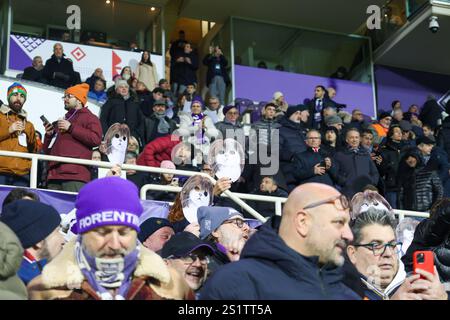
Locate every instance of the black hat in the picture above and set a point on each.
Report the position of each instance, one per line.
(405, 125)
(183, 243)
(383, 115)
(160, 103)
(150, 226)
(302, 107)
(228, 108)
(31, 221)
(291, 110)
(425, 140)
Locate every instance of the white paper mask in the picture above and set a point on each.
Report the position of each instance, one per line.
(197, 199)
(228, 162)
(408, 236)
(118, 149)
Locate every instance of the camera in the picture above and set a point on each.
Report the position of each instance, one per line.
(434, 24)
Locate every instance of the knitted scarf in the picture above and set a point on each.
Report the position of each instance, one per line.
(163, 125)
(197, 119)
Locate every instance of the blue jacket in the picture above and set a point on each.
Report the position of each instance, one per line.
(30, 268)
(270, 270)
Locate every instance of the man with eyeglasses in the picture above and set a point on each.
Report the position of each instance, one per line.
(73, 136)
(293, 257)
(214, 110)
(230, 127)
(189, 256)
(314, 164)
(375, 254)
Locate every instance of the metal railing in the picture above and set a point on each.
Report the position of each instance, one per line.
(236, 197)
(102, 164)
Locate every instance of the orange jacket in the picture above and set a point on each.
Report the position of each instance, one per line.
(10, 142)
(381, 131)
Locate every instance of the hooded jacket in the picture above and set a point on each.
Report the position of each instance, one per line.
(62, 279)
(11, 287)
(270, 270)
(10, 142)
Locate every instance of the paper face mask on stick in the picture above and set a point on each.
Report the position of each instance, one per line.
(226, 158)
(197, 192)
(116, 139)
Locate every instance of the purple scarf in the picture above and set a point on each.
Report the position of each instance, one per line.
(197, 119)
(107, 273)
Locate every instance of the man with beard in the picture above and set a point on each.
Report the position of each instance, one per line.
(105, 261)
(189, 256)
(35, 72)
(16, 134)
(72, 136)
(158, 124)
(293, 257)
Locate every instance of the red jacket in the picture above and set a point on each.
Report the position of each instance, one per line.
(157, 151)
(84, 134)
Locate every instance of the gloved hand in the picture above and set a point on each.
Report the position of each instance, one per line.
(61, 76)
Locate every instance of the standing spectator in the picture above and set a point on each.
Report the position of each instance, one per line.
(268, 187)
(355, 165)
(35, 72)
(58, 70)
(147, 102)
(146, 72)
(158, 124)
(98, 93)
(158, 150)
(397, 116)
(332, 140)
(367, 140)
(189, 256)
(133, 145)
(314, 164)
(37, 227)
(105, 261)
(19, 194)
(190, 94)
(230, 127)
(431, 113)
(295, 256)
(266, 127)
(443, 137)
(217, 77)
(16, 134)
(154, 233)
(164, 179)
(419, 187)
(316, 106)
(357, 120)
(11, 287)
(214, 109)
(185, 68)
(74, 136)
(390, 153)
(122, 108)
(139, 178)
(126, 73)
(176, 49)
(334, 121)
(98, 74)
(381, 128)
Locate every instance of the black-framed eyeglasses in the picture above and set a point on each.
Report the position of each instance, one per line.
(239, 222)
(378, 249)
(191, 258)
(340, 202)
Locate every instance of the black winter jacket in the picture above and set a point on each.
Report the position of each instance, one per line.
(390, 153)
(59, 74)
(304, 168)
(210, 61)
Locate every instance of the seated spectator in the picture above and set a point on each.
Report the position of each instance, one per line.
(419, 186)
(98, 74)
(217, 77)
(158, 124)
(112, 90)
(35, 72)
(58, 70)
(190, 94)
(96, 156)
(295, 256)
(123, 108)
(262, 65)
(281, 105)
(107, 245)
(382, 127)
(214, 110)
(190, 257)
(375, 254)
(358, 121)
(409, 134)
(16, 134)
(147, 102)
(98, 93)
(332, 140)
(154, 233)
(73, 136)
(224, 227)
(37, 227)
(230, 127)
(19, 194)
(165, 85)
(11, 251)
(432, 234)
(146, 71)
(133, 145)
(397, 116)
(158, 150)
(139, 178)
(314, 164)
(428, 131)
(354, 163)
(268, 187)
(266, 127)
(164, 179)
(334, 121)
(367, 140)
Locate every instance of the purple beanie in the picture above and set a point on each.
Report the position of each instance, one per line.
(108, 201)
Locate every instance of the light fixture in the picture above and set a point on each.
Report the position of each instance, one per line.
(108, 1)
(152, 9)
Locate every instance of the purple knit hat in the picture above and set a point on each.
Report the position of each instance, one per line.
(108, 201)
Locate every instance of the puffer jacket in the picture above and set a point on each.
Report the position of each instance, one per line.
(157, 151)
(270, 270)
(11, 287)
(443, 139)
(234, 130)
(264, 131)
(433, 234)
(390, 153)
(10, 142)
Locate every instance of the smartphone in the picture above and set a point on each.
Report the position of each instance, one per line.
(423, 260)
(323, 164)
(44, 120)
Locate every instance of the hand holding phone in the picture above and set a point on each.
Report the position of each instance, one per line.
(423, 260)
(44, 120)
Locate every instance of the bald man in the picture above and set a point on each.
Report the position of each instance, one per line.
(294, 257)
